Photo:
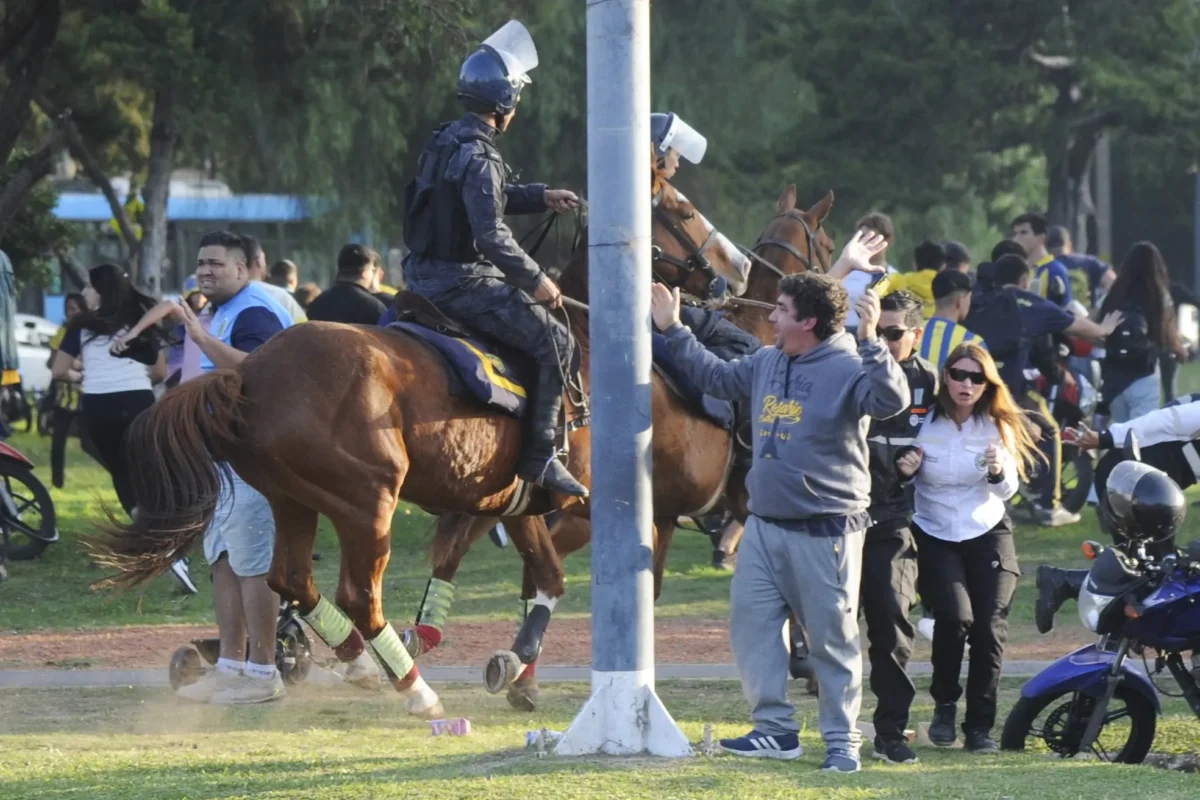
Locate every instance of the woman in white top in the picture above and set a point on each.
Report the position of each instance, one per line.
(965, 463)
(115, 388)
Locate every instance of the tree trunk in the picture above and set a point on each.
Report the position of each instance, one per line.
(25, 177)
(92, 168)
(164, 136)
(24, 63)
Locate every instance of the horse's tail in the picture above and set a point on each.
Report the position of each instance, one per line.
(174, 450)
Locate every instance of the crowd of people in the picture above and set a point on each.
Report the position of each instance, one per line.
(894, 416)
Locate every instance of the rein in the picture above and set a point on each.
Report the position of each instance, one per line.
(696, 261)
(810, 237)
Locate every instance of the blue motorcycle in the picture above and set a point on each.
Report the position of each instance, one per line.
(1142, 596)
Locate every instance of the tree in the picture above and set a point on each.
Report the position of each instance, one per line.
(34, 235)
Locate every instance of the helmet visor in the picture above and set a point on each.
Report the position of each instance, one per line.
(685, 140)
(514, 46)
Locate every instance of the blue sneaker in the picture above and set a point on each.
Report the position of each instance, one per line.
(840, 761)
(784, 746)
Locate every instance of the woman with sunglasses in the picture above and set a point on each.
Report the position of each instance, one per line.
(965, 463)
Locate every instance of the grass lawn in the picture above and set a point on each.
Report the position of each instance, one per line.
(141, 744)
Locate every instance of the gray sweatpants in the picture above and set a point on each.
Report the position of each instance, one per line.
(779, 570)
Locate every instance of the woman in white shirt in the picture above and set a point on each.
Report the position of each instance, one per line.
(115, 388)
(965, 463)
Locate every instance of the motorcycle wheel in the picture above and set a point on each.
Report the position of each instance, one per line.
(1064, 725)
(35, 510)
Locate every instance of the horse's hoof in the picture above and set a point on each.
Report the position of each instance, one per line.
(502, 670)
(523, 695)
(412, 643)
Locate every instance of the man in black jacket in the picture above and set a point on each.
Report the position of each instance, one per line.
(350, 300)
(889, 579)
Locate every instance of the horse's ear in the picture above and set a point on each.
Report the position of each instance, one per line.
(821, 210)
(787, 199)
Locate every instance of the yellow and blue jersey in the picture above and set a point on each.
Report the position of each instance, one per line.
(940, 338)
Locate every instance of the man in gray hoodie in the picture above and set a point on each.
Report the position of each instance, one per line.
(813, 396)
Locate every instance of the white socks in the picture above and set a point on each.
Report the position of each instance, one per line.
(230, 667)
(262, 672)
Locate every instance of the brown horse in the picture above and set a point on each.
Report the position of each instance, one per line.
(792, 242)
(345, 421)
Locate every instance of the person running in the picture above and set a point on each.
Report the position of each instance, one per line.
(965, 464)
(115, 389)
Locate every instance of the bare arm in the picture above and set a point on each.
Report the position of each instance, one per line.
(223, 356)
(158, 373)
(62, 368)
(152, 317)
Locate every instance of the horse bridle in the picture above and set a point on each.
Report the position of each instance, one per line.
(696, 260)
(810, 241)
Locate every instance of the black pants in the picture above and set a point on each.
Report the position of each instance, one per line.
(1168, 369)
(107, 417)
(972, 585)
(65, 419)
(889, 583)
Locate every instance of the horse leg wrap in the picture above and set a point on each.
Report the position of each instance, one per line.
(336, 630)
(433, 612)
(529, 639)
(397, 663)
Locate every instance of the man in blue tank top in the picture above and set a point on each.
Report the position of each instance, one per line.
(240, 541)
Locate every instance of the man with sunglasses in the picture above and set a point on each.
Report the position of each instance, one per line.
(889, 568)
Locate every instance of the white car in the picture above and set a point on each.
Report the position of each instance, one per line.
(34, 330)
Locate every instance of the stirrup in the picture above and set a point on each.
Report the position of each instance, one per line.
(556, 477)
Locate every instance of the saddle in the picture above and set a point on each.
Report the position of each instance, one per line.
(498, 376)
(476, 367)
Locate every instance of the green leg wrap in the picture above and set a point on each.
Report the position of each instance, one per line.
(396, 660)
(435, 605)
(329, 622)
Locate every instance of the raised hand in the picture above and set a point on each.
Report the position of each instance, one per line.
(664, 306)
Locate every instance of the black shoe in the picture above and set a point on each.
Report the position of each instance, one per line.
(895, 752)
(1055, 586)
(979, 742)
(723, 560)
(942, 730)
(557, 478)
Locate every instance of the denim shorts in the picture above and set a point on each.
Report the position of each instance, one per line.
(243, 526)
(1140, 397)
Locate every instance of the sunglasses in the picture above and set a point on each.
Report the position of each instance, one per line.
(966, 375)
(892, 334)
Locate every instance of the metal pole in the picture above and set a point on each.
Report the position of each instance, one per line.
(623, 715)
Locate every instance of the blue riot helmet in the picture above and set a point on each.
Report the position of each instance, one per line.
(492, 77)
(669, 131)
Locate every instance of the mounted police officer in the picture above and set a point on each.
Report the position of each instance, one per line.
(674, 139)
(464, 258)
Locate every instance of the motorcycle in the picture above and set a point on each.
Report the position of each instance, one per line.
(27, 519)
(1142, 596)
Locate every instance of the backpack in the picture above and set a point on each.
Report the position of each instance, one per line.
(996, 317)
(1129, 347)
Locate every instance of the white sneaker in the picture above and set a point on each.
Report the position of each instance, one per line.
(248, 689)
(1055, 517)
(202, 691)
(180, 570)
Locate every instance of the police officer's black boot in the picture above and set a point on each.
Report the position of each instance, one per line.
(1055, 586)
(540, 463)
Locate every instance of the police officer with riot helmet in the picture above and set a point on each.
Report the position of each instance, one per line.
(464, 258)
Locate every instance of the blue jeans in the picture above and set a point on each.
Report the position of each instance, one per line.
(1140, 397)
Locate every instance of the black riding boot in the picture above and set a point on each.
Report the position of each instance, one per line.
(539, 463)
(1055, 586)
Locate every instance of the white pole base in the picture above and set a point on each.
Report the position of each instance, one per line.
(624, 717)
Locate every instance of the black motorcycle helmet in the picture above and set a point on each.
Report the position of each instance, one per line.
(492, 77)
(1144, 503)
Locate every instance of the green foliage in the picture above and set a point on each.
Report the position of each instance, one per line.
(35, 234)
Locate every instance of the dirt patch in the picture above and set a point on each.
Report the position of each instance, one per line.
(569, 641)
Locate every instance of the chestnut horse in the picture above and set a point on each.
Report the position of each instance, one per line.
(793, 242)
(345, 421)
